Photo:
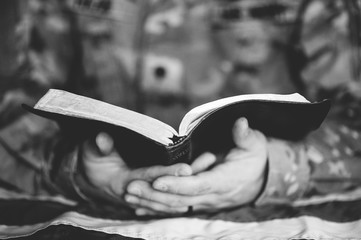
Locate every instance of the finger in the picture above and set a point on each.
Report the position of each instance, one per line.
(143, 190)
(106, 172)
(200, 184)
(203, 162)
(244, 137)
(152, 207)
(142, 194)
(93, 154)
(151, 173)
(147, 212)
(105, 143)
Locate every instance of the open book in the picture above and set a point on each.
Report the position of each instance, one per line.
(142, 140)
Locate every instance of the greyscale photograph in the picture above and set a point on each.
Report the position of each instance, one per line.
(180, 119)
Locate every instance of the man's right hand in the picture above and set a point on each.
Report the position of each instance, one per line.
(107, 171)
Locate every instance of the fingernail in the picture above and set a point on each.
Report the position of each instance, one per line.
(135, 191)
(244, 124)
(242, 127)
(160, 186)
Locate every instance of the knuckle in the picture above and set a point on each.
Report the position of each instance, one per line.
(182, 170)
(176, 203)
(148, 172)
(171, 188)
(175, 189)
(150, 197)
(136, 188)
(153, 197)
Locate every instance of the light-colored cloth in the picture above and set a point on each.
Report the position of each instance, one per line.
(304, 227)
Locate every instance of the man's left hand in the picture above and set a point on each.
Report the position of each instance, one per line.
(233, 182)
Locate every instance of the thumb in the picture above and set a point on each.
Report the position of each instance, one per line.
(104, 143)
(203, 162)
(101, 162)
(151, 173)
(243, 136)
(100, 147)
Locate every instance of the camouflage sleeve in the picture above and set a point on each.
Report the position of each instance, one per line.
(66, 175)
(326, 162)
(24, 144)
(288, 172)
(335, 159)
(37, 159)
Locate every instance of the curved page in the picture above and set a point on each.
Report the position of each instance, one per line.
(69, 104)
(191, 119)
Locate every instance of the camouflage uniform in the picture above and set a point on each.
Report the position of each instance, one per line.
(174, 77)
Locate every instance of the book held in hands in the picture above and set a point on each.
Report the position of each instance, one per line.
(143, 141)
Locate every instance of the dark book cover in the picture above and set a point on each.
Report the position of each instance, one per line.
(213, 133)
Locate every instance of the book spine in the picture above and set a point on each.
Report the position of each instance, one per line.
(180, 152)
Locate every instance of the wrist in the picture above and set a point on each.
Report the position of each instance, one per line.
(287, 175)
(262, 182)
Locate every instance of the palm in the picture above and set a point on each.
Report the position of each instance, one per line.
(107, 171)
(235, 181)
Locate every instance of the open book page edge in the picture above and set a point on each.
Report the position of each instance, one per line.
(69, 104)
(191, 119)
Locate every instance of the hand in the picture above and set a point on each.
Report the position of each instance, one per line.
(235, 181)
(107, 171)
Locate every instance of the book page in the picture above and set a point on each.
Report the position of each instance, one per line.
(69, 104)
(191, 119)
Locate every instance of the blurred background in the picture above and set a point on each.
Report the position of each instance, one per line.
(162, 57)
